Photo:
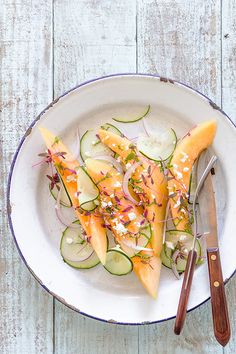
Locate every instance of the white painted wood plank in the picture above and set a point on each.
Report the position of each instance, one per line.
(92, 38)
(26, 323)
(229, 106)
(181, 39)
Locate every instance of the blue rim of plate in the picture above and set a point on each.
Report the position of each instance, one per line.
(164, 80)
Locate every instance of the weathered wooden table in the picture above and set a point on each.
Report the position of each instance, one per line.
(48, 47)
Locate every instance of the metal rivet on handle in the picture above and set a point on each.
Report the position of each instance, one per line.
(213, 257)
(216, 284)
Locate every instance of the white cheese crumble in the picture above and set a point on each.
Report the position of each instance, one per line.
(128, 165)
(179, 175)
(185, 169)
(177, 204)
(94, 142)
(132, 216)
(182, 237)
(174, 165)
(120, 228)
(170, 245)
(117, 184)
(112, 195)
(103, 204)
(113, 145)
(109, 204)
(69, 240)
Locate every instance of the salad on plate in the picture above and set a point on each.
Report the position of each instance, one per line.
(130, 198)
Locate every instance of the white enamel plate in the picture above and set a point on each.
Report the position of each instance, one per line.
(37, 231)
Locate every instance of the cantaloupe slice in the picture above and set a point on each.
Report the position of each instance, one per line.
(154, 188)
(97, 239)
(64, 165)
(148, 271)
(116, 209)
(186, 152)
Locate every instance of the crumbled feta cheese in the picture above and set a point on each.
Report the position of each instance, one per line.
(185, 169)
(174, 165)
(93, 142)
(177, 204)
(132, 216)
(117, 184)
(128, 165)
(112, 195)
(179, 175)
(127, 148)
(170, 245)
(113, 145)
(118, 159)
(71, 178)
(109, 204)
(138, 224)
(174, 142)
(182, 237)
(153, 196)
(171, 194)
(183, 211)
(69, 240)
(183, 159)
(103, 204)
(120, 228)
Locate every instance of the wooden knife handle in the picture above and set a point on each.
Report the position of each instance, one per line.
(185, 291)
(218, 299)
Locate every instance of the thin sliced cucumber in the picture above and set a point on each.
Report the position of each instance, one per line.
(131, 118)
(91, 262)
(111, 128)
(73, 246)
(140, 240)
(159, 146)
(118, 263)
(91, 146)
(178, 240)
(88, 192)
(65, 199)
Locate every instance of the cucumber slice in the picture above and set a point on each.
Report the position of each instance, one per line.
(91, 146)
(75, 234)
(88, 192)
(178, 240)
(141, 240)
(117, 262)
(65, 199)
(73, 247)
(133, 118)
(159, 146)
(111, 128)
(91, 262)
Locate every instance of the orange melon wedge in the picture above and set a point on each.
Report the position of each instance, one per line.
(148, 272)
(109, 182)
(67, 163)
(155, 188)
(186, 152)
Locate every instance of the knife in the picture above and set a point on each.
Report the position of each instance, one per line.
(206, 201)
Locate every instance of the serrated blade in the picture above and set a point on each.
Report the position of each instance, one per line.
(207, 206)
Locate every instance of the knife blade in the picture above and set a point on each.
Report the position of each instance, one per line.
(208, 216)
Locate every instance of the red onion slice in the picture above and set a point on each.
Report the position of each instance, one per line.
(110, 159)
(60, 216)
(125, 183)
(136, 247)
(145, 127)
(174, 270)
